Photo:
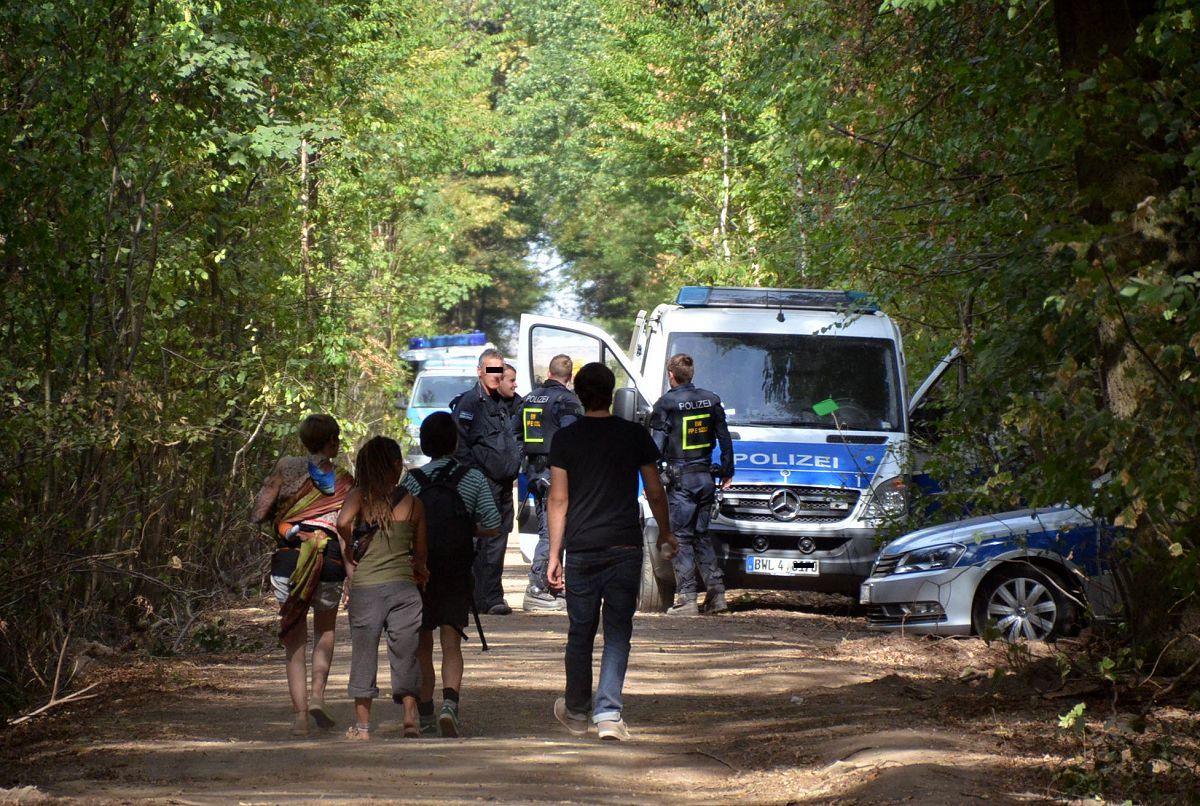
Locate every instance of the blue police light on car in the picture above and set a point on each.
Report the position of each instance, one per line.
(473, 339)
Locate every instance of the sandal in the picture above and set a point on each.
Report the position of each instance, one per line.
(411, 731)
(300, 726)
(318, 712)
(356, 734)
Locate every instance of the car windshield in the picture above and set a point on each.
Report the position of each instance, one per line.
(776, 378)
(436, 391)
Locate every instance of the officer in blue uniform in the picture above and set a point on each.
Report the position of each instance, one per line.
(686, 423)
(486, 442)
(543, 412)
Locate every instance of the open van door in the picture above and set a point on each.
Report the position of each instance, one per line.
(543, 337)
(929, 404)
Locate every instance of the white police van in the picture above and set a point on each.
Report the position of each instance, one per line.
(813, 384)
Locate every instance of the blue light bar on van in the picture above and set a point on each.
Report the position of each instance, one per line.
(703, 296)
(475, 339)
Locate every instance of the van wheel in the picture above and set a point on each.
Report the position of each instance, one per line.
(655, 593)
(654, 596)
(1023, 602)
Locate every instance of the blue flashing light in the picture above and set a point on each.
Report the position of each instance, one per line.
(474, 339)
(693, 296)
(792, 298)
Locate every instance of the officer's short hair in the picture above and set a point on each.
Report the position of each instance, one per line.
(317, 430)
(560, 367)
(682, 367)
(594, 385)
(490, 352)
(439, 435)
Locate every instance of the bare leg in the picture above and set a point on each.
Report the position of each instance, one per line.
(324, 622)
(294, 644)
(362, 710)
(410, 714)
(452, 658)
(425, 656)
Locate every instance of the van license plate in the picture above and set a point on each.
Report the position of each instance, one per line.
(783, 567)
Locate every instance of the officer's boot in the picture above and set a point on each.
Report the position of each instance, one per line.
(714, 601)
(685, 605)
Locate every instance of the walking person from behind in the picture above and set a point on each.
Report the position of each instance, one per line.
(686, 423)
(593, 515)
(385, 564)
(458, 507)
(543, 413)
(302, 498)
(486, 443)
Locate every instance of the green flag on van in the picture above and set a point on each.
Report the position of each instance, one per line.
(826, 406)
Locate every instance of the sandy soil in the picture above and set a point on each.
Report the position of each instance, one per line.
(787, 699)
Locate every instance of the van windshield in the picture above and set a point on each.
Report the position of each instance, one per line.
(436, 391)
(775, 379)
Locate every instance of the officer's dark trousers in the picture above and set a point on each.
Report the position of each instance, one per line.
(691, 506)
(489, 557)
(541, 554)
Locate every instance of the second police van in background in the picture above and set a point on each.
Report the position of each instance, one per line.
(445, 367)
(814, 481)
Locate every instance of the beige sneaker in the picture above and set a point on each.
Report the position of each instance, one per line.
(613, 730)
(577, 725)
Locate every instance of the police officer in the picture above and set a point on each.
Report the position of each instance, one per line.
(543, 412)
(686, 423)
(486, 442)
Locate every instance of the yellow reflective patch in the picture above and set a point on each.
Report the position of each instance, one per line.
(533, 425)
(697, 431)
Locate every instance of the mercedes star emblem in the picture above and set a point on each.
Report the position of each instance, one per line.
(784, 504)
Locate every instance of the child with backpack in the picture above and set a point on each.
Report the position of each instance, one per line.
(383, 569)
(458, 507)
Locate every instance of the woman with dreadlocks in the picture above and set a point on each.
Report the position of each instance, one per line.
(385, 562)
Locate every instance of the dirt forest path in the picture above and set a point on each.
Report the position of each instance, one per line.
(774, 703)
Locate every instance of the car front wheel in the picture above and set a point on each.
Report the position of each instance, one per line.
(1022, 603)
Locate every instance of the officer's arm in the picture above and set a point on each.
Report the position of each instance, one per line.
(568, 412)
(726, 443)
(464, 418)
(660, 425)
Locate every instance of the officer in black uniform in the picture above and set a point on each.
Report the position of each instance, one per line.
(686, 423)
(543, 412)
(486, 442)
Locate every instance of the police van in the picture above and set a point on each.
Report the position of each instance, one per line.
(445, 367)
(814, 388)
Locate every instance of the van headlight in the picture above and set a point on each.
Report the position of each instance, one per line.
(930, 559)
(888, 500)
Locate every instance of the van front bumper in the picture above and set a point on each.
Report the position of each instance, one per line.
(838, 561)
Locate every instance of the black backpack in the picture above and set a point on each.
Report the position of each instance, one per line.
(450, 528)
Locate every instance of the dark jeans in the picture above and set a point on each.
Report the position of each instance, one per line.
(489, 553)
(691, 503)
(600, 585)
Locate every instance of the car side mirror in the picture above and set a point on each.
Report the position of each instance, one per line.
(625, 404)
(401, 401)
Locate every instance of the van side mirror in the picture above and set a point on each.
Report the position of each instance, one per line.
(401, 401)
(625, 404)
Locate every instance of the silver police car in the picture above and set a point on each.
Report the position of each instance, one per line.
(1028, 574)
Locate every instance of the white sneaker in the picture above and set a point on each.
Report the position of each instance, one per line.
(614, 730)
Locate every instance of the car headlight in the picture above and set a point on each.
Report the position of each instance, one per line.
(930, 559)
(888, 499)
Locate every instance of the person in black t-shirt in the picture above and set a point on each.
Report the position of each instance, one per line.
(593, 514)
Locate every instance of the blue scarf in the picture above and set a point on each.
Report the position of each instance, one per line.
(323, 480)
